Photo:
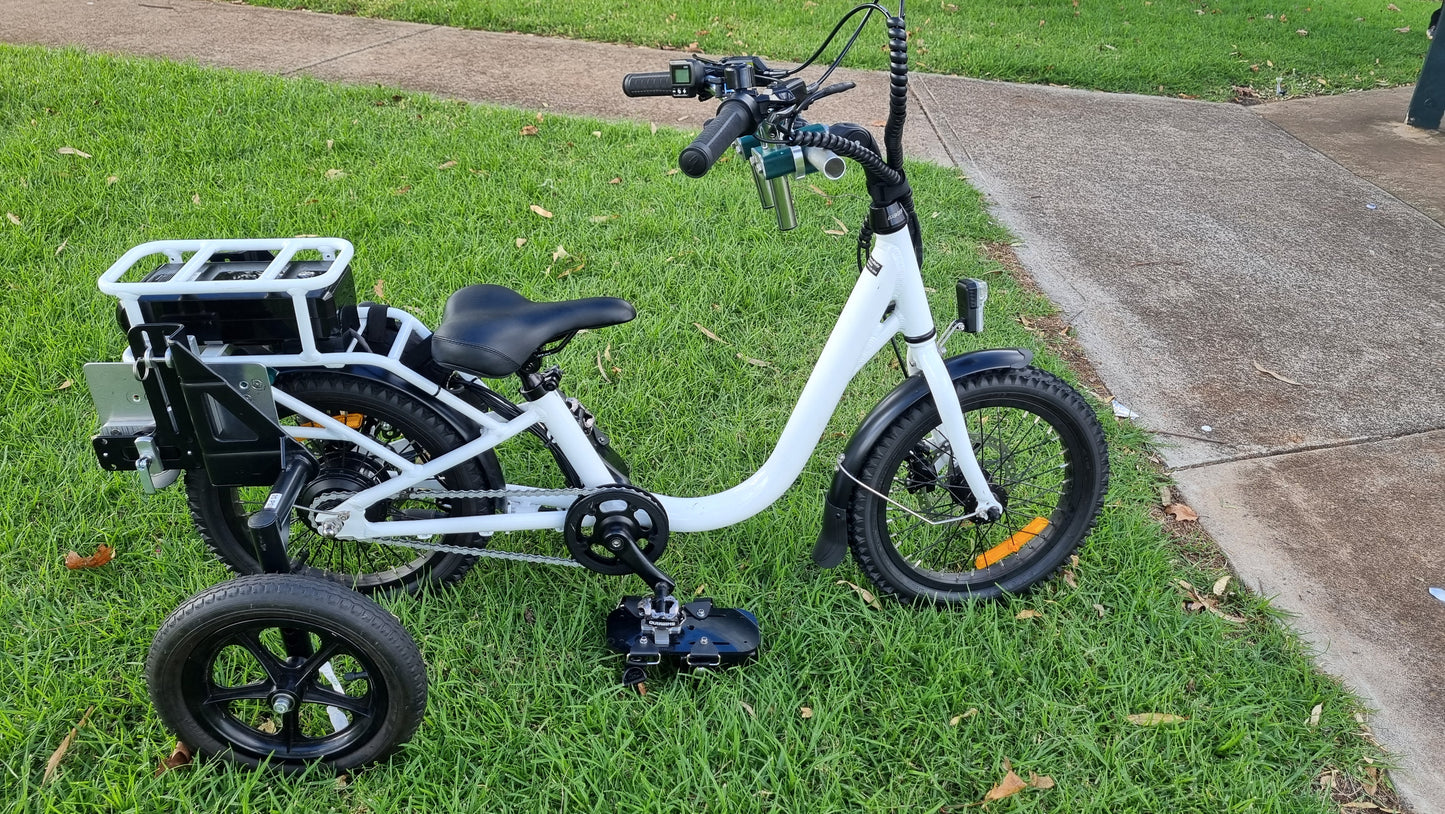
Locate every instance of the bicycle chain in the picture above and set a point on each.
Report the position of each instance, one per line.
(516, 556)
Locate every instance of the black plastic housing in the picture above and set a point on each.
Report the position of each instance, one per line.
(246, 319)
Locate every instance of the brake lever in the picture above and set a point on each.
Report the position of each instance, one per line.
(836, 88)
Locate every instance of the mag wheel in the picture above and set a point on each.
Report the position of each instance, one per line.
(287, 670)
(384, 414)
(1043, 453)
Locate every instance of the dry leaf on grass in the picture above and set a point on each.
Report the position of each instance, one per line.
(709, 334)
(754, 362)
(958, 719)
(868, 598)
(749, 709)
(446, 165)
(559, 253)
(59, 753)
(181, 756)
(1154, 718)
(376, 289)
(1029, 614)
(333, 173)
(103, 554)
(73, 151)
(1315, 713)
(1010, 785)
(1220, 586)
(540, 211)
(806, 712)
(521, 241)
(529, 130)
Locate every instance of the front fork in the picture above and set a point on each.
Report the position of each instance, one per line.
(924, 357)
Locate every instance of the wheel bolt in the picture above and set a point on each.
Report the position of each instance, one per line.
(282, 704)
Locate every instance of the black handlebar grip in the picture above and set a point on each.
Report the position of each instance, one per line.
(655, 83)
(735, 118)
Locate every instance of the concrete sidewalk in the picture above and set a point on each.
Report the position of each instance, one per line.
(1262, 285)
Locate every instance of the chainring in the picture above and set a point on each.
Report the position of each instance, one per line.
(614, 509)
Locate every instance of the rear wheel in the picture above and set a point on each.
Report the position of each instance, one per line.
(1043, 454)
(382, 413)
(288, 670)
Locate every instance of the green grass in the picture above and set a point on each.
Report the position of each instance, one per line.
(525, 714)
(1167, 47)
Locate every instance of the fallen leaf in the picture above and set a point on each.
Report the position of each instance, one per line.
(673, 171)
(749, 709)
(529, 130)
(330, 143)
(401, 190)
(1040, 781)
(1069, 578)
(701, 589)
(1220, 585)
(1302, 32)
(528, 616)
(615, 181)
(1315, 715)
(841, 225)
(709, 334)
(568, 273)
(1100, 609)
(1029, 614)
(1392, 7)
(1166, 496)
(754, 362)
(601, 218)
(1404, 30)
(597, 134)
(868, 598)
(806, 712)
(65, 385)
(654, 127)
(103, 554)
(642, 689)
(1154, 718)
(376, 289)
(835, 232)
(560, 253)
(55, 757)
(1266, 371)
(540, 117)
(72, 151)
(196, 198)
(180, 756)
(958, 719)
(333, 173)
(111, 179)
(1359, 804)
(447, 165)
(1181, 512)
(14, 218)
(61, 247)
(540, 211)
(602, 370)
(521, 241)
(1010, 785)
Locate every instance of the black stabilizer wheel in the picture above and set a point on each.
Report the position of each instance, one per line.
(286, 670)
(1043, 454)
(615, 509)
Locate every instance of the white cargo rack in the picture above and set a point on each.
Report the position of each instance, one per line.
(194, 255)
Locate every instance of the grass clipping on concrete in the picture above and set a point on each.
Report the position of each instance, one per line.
(1249, 50)
(1101, 688)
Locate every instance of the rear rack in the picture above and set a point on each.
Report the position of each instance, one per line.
(191, 279)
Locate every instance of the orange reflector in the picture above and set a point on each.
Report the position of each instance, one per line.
(352, 420)
(1015, 541)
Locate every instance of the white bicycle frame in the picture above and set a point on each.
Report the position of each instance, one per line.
(865, 326)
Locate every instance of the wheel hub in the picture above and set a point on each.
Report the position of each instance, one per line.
(340, 476)
(283, 702)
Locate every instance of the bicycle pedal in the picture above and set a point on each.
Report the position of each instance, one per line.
(704, 636)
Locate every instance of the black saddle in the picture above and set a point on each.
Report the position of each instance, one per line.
(492, 331)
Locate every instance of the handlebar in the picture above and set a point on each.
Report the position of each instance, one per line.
(653, 83)
(735, 118)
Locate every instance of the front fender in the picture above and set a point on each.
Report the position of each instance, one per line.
(833, 538)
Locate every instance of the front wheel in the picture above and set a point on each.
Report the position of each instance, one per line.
(288, 670)
(1043, 454)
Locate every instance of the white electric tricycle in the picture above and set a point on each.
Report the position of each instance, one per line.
(332, 448)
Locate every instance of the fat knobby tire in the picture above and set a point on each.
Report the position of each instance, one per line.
(1027, 391)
